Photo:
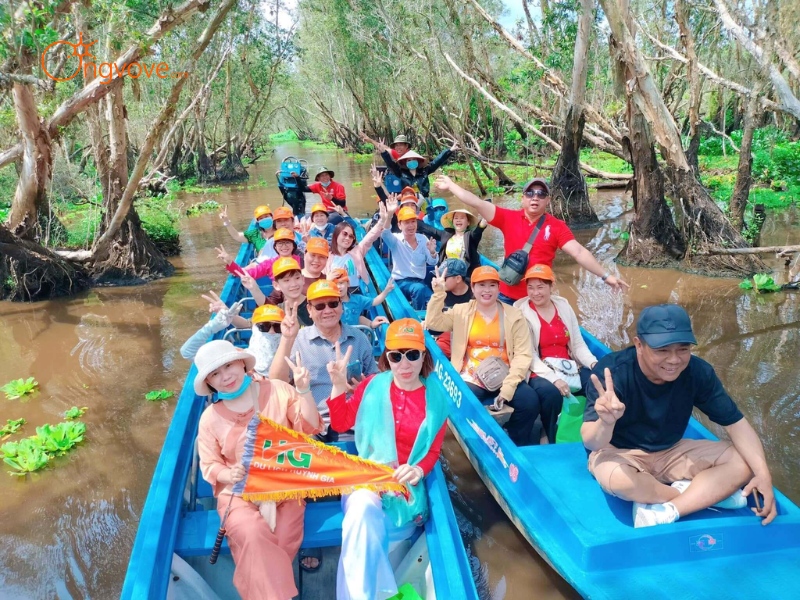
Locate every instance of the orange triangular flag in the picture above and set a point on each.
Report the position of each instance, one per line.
(284, 464)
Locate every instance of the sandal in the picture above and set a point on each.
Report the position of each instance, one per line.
(310, 553)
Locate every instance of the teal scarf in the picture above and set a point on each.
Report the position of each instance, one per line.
(375, 440)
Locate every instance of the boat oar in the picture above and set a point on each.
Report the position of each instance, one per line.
(220, 535)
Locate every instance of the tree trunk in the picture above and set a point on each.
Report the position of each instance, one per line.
(744, 179)
(30, 197)
(29, 272)
(654, 240)
(570, 196)
(694, 87)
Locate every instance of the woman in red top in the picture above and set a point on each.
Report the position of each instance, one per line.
(558, 346)
(397, 396)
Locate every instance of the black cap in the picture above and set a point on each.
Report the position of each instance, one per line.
(665, 324)
(537, 181)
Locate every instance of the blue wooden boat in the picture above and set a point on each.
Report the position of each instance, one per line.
(179, 524)
(588, 536)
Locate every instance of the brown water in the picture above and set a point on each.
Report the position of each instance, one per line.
(67, 532)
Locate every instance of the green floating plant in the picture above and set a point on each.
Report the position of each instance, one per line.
(25, 456)
(202, 207)
(156, 395)
(762, 283)
(75, 413)
(12, 426)
(19, 388)
(59, 439)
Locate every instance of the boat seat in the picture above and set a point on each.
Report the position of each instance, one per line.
(197, 530)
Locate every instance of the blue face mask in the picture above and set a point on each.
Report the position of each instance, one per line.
(235, 394)
(412, 164)
(325, 183)
(265, 223)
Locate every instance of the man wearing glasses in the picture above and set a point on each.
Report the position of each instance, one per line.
(317, 345)
(518, 225)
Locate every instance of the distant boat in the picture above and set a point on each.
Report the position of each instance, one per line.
(588, 536)
(179, 523)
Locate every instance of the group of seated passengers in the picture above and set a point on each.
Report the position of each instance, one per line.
(635, 454)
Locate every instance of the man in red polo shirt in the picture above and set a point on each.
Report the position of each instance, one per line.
(518, 225)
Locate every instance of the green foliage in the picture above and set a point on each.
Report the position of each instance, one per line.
(762, 283)
(160, 221)
(58, 440)
(25, 456)
(283, 136)
(19, 387)
(75, 413)
(202, 207)
(11, 427)
(156, 395)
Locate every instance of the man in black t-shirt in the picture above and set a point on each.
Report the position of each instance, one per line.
(458, 292)
(634, 426)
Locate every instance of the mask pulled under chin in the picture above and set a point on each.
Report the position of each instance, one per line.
(320, 227)
(325, 183)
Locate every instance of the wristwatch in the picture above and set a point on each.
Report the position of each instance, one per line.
(605, 276)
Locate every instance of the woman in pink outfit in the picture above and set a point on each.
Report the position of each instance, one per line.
(263, 538)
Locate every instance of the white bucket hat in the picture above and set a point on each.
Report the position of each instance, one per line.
(212, 356)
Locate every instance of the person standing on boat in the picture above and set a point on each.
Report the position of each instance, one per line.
(558, 346)
(484, 329)
(263, 540)
(398, 421)
(413, 169)
(634, 428)
(462, 234)
(518, 226)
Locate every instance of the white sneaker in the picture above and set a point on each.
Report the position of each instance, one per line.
(647, 515)
(732, 502)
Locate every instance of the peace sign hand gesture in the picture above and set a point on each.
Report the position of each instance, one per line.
(290, 325)
(437, 283)
(300, 374)
(607, 406)
(337, 369)
(377, 176)
(223, 215)
(215, 303)
(223, 255)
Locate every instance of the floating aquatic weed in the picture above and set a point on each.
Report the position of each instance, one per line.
(20, 387)
(29, 456)
(59, 439)
(75, 413)
(156, 395)
(12, 426)
(762, 283)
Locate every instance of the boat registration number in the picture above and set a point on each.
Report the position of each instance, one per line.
(448, 384)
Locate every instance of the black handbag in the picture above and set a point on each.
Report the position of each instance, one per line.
(515, 265)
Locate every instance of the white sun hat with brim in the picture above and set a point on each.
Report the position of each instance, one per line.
(447, 219)
(214, 355)
(411, 154)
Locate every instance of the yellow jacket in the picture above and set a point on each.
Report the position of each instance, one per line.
(458, 320)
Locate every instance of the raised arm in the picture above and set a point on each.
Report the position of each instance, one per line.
(390, 164)
(440, 160)
(226, 222)
(485, 209)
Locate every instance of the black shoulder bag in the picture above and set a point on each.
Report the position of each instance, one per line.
(515, 265)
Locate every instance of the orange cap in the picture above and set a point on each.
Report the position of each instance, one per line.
(484, 274)
(540, 272)
(408, 194)
(262, 211)
(284, 265)
(268, 313)
(318, 208)
(318, 245)
(284, 234)
(405, 333)
(322, 289)
(283, 212)
(406, 214)
(337, 275)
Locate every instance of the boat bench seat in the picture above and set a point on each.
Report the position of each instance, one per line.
(197, 530)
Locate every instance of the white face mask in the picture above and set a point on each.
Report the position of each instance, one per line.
(320, 227)
(263, 346)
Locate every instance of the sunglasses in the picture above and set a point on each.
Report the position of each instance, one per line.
(536, 194)
(395, 356)
(330, 304)
(348, 234)
(269, 327)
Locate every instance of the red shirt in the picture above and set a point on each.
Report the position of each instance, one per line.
(338, 194)
(408, 409)
(553, 337)
(517, 229)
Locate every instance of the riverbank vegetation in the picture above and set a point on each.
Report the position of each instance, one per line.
(693, 109)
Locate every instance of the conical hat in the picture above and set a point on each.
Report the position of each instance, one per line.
(447, 219)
